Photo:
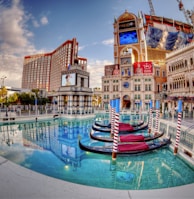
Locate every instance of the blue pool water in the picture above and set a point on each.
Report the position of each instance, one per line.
(51, 147)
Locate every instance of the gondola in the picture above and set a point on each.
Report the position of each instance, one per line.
(124, 149)
(124, 138)
(123, 129)
(120, 123)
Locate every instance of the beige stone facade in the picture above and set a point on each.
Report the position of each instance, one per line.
(134, 88)
(180, 78)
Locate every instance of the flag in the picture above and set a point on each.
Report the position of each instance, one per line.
(69, 65)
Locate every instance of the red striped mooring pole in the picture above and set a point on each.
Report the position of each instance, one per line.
(157, 115)
(112, 103)
(150, 118)
(116, 129)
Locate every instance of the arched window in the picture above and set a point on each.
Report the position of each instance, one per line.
(185, 63)
(191, 61)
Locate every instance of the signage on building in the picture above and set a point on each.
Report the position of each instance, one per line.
(128, 24)
(142, 68)
(112, 70)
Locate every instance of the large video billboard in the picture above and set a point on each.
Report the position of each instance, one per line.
(68, 79)
(129, 37)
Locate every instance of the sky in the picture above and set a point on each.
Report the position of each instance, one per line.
(30, 27)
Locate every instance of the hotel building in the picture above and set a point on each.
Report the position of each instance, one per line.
(139, 70)
(63, 74)
(43, 71)
(180, 79)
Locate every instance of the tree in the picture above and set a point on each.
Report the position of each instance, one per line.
(13, 99)
(3, 94)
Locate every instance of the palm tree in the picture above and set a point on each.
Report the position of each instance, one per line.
(3, 94)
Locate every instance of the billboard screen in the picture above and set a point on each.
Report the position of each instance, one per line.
(142, 68)
(68, 79)
(129, 37)
(112, 70)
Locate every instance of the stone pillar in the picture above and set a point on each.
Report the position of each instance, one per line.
(69, 104)
(81, 107)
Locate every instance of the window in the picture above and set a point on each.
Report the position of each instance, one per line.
(191, 61)
(163, 73)
(158, 86)
(137, 87)
(148, 87)
(148, 96)
(185, 63)
(82, 82)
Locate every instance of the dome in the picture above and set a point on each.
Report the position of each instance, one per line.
(126, 16)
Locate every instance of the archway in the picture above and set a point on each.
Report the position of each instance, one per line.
(126, 103)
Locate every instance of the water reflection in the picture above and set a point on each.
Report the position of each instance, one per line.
(58, 136)
(36, 141)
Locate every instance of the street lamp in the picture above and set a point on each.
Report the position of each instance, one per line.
(2, 86)
(6, 114)
(3, 78)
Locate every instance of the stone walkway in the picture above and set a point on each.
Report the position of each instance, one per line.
(17, 182)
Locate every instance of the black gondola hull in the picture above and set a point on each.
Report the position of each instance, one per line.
(107, 150)
(110, 139)
(108, 130)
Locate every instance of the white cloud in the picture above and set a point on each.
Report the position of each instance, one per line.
(108, 42)
(81, 48)
(35, 23)
(14, 42)
(44, 20)
(96, 70)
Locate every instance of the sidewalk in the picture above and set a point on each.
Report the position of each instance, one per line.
(17, 182)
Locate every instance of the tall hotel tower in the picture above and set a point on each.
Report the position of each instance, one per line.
(43, 71)
(63, 75)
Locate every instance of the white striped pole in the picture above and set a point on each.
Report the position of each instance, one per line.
(178, 132)
(157, 115)
(150, 118)
(112, 116)
(116, 129)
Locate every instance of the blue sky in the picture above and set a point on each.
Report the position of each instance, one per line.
(30, 27)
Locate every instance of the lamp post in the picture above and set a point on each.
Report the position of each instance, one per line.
(2, 86)
(35, 102)
(3, 78)
(6, 113)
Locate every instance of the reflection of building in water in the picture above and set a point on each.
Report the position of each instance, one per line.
(58, 136)
(129, 173)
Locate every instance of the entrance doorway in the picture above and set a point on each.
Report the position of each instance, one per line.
(126, 102)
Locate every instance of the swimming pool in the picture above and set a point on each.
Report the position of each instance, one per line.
(51, 147)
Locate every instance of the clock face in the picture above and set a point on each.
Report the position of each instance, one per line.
(126, 84)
